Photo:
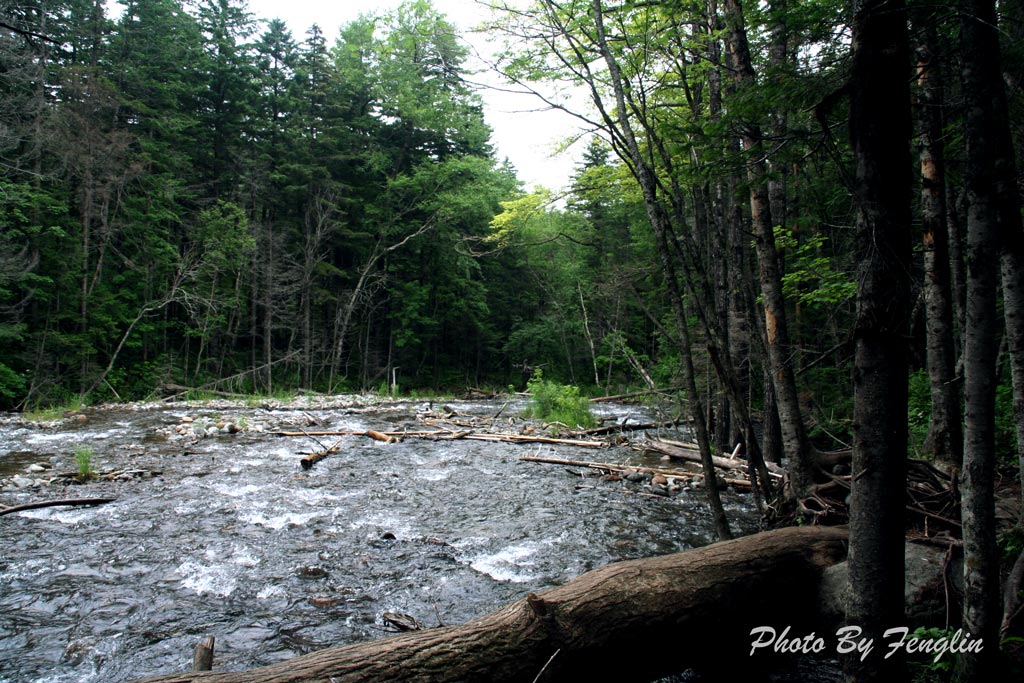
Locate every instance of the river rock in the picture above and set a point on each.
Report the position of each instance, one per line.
(659, 480)
(924, 588)
(36, 467)
(322, 602)
(312, 572)
(22, 482)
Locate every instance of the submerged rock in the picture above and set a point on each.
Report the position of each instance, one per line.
(311, 573)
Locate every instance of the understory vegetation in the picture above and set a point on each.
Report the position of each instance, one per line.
(554, 402)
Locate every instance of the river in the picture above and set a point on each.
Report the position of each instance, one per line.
(216, 530)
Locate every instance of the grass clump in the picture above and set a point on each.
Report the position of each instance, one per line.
(554, 402)
(83, 459)
(54, 412)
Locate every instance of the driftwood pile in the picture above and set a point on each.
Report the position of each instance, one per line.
(932, 496)
(933, 500)
(450, 426)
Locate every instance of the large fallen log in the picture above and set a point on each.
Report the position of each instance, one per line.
(613, 623)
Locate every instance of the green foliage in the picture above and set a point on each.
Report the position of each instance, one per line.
(919, 410)
(810, 276)
(1006, 435)
(553, 402)
(923, 667)
(12, 384)
(829, 393)
(1011, 544)
(919, 416)
(83, 461)
(51, 412)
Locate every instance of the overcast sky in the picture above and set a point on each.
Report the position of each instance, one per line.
(522, 134)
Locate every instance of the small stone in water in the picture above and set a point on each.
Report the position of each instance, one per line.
(387, 536)
(36, 468)
(402, 622)
(312, 573)
(187, 419)
(323, 602)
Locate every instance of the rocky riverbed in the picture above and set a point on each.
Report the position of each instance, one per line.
(217, 530)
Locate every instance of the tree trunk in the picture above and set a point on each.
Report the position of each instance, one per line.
(880, 130)
(794, 434)
(957, 270)
(268, 310)
(1011, 229)
(945, 435)
(982, 90)
(614, 623)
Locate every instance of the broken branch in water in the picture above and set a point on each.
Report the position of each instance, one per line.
(314, 458)
(681, 474)
(53, 503)
(681, 451)
(202, 660)
(627, 427)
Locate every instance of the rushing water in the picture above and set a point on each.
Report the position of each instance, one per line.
(233, 539)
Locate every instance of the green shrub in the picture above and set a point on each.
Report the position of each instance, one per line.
(83, 459)
(553, 402)
(924, 667)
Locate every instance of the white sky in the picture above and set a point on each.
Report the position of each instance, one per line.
(522, 134)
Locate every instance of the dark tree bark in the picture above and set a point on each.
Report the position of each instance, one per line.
(880, 131)
(1012, 234)
(958, 270)
(945, 435)
(984, 104)
(630, 621)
